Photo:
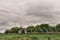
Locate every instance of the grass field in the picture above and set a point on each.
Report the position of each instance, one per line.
(29, 37)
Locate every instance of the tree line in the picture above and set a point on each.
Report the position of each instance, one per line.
(42, 28)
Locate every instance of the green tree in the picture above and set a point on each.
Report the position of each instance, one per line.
(58, 27)
(30, 29)
(22, 30)
(38, 28)
(53, 29)
(45, 27)
(14, 29)
(7, 31)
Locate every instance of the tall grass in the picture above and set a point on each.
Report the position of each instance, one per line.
(28, 37)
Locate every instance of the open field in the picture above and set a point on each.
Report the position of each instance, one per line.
(29, 37)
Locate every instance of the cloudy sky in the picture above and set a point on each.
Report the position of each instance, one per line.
(28, 12)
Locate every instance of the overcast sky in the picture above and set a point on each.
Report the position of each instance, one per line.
(28, 12)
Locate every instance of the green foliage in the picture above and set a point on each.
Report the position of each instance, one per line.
(14, 29)
(7, 31)
(54, 29)
(43, 28)
(58, 27)
(23, 31)
(30, 29)
(38, 28)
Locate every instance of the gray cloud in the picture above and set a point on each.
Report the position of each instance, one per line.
(28, 12)
(45, 12)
